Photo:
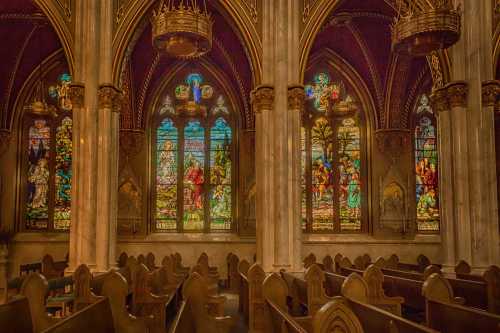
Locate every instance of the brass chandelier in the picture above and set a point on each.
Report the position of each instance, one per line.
(425, 26)
(182, 28)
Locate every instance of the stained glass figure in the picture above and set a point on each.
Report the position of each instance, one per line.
(426, 161)
(348, 139)
(220, 175)
(166, 175)
(60, 92)
(194, 178)
(37, 207)
(62, 207)
(322, 175)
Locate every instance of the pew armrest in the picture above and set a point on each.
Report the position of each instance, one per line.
(224, 324)
(216, 305)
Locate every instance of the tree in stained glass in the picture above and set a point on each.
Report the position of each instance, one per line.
(194, 178)
(166, 175)
(62, 208)
(37, 207)
(348, 140)
(426, 160)
(322, 175)
(220, 175)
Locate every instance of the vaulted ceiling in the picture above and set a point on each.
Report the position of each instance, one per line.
(27, 39)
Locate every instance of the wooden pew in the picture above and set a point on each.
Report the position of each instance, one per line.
(444, 311)
(243, 267)
(165, 280)
(193, 315)
(122, 260)
(150, 261)
(177, 260)
(15, 316)
(95, 318)
(84, 296)
(233, 276)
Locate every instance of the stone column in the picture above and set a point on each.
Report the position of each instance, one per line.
(262, 99)
(5, 137)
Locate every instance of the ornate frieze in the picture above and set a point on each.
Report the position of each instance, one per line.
(296, 97)
(490, 92)
(393, 141)
(262, 98)
(436, 70)
(77, 95)
(457, 93)
(132, 141)
(5, 137)
(110, 98)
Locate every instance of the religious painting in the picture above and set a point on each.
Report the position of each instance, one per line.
(393, 204)
(166, 175)
(62, 208)
(37, 203)
(426, 162)
(194, 176)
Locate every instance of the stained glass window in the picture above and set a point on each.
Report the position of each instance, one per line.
(48, 163)
(332, 172)
(194, 164)
(426, 171)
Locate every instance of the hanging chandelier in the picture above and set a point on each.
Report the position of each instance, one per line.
(182, 28)
(421, 28)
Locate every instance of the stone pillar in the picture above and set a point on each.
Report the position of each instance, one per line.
(5, 137)
(263, 103)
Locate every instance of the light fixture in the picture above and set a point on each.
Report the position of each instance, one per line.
(182, 28)
(422, 28)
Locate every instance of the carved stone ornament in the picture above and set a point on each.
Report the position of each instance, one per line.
(262, 98)
(109, 98)
(5, 137)
(393, 141)
(439, 100)
(296, 97)
(457, 93)
(490, 92)
(77, 95)
(131, 141)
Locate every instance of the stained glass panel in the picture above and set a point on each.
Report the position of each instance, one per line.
(62, 208)
(348, 140)
(426, 160)
(303, 176)
(194, 178)
(37, 208)
(166, 175)
(220, 175)
(322, 175)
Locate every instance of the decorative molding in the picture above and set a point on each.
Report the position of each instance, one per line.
(262, 98)
(296, 97)
(252, 8)
(65, 7)
(490, 92)
(132, 141)
(121, 9)
(5, 137)
(307, 6)
(457, 93)
(439, 100)
(436, 70)
(109, 97)
(77, 95)
(393, 141)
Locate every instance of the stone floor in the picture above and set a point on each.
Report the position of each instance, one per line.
(231, 309)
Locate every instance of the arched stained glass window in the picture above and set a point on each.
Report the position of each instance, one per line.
(332, 164)
(194, 165)
(426, 166)
(47, 171)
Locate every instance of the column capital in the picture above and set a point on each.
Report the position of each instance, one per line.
(262, 98)
(77, 95)
(109, 97)
(457, 93)
(439, 100)
(5, 137)
(296, 97)
(490, 92)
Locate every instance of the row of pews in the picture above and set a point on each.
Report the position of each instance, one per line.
(382, 296)
(136, 297)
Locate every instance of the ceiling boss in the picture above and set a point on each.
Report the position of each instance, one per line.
(425, 26)
(182, 28)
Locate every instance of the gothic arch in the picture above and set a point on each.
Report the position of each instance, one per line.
(244, 28)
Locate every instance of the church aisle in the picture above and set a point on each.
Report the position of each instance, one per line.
(231, 309)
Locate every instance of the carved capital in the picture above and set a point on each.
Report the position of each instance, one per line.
(262, 98)
(296, 97)
(457, 93)
(393, 141)
(490, 92)
(5, 137)
(439, 100)
(131, 141)
(109, 98)
(77, 95)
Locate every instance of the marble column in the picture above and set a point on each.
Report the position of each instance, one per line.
(263, 103)
(476, 203)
